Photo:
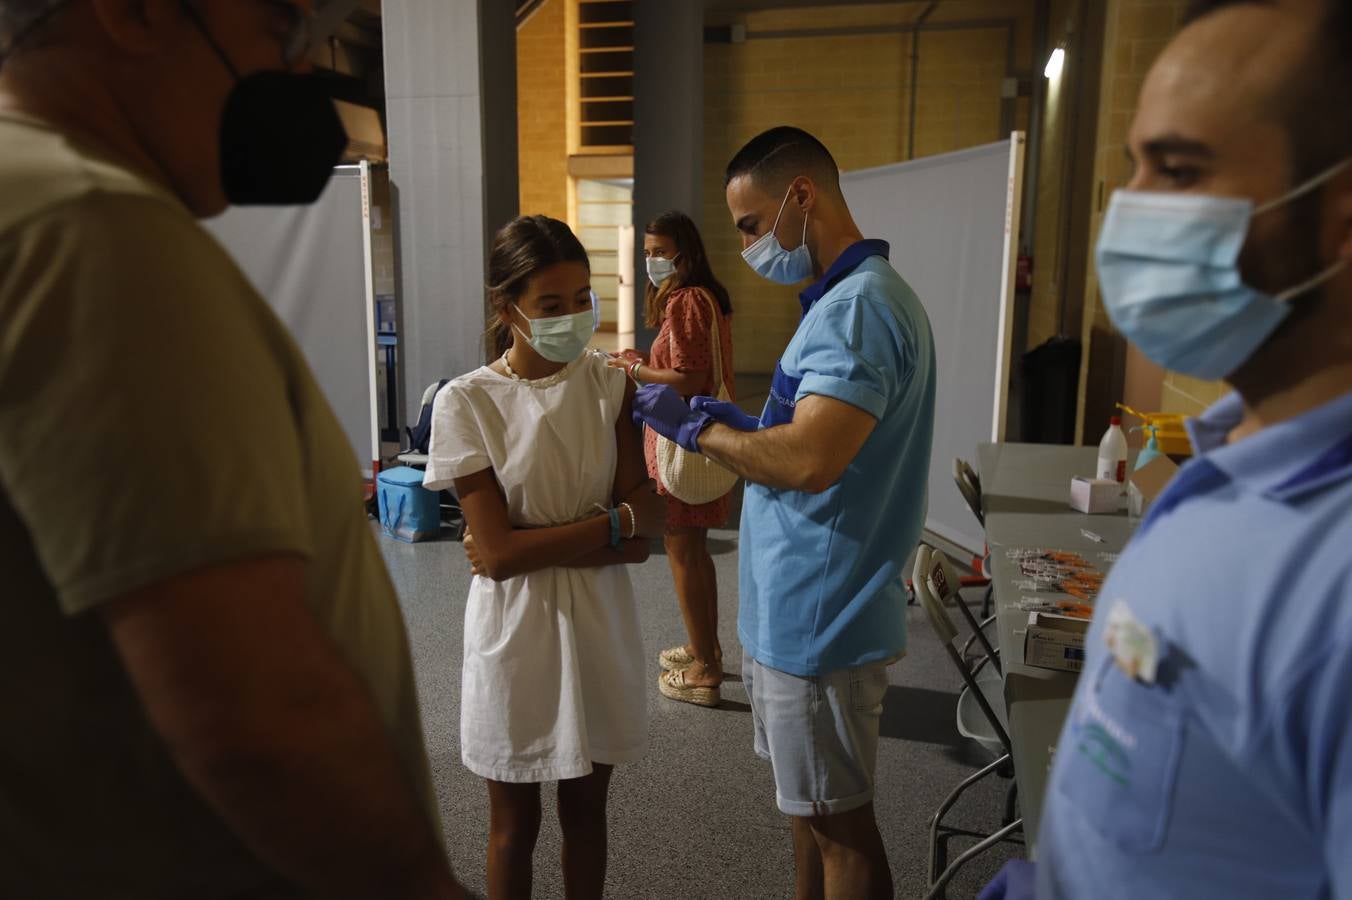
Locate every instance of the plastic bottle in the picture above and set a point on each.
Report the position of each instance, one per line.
(1112, 455)
(1151, 450)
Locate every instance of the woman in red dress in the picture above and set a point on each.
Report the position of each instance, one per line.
(686, 302)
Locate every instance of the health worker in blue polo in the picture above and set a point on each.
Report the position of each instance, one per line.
(1208, 751)
(836, 467)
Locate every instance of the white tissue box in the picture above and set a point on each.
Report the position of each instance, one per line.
(1095, 495)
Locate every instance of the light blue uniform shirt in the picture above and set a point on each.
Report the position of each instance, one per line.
(1231, 776)
(821, 581)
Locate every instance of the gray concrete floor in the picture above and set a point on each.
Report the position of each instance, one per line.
(697, 817)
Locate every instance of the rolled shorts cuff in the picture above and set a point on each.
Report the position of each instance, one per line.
(807, 809)
(820, 734)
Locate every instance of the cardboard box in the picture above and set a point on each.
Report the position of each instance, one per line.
(1095, 495)
(1055, 642)
(1148, 482)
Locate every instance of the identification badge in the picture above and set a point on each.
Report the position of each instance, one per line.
(1134, 647)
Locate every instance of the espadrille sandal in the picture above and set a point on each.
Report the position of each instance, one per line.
(673, 687)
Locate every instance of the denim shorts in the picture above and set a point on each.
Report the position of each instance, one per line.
(820, 733)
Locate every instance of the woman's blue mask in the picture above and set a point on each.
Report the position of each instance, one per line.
(561, 339)
(770, 260)
(1168, 267)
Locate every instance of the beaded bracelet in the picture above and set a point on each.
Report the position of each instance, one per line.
(633, 521)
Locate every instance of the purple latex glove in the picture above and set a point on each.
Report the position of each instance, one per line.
(1014, 882)
(662, 409)
(726, 413)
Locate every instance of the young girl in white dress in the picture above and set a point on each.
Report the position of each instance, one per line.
(549, 470)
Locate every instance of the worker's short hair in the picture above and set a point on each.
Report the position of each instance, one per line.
(1312, 104)
(774, 158)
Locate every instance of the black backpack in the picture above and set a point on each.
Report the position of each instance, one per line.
(420, 435)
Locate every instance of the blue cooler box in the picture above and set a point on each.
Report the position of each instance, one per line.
(408, 511)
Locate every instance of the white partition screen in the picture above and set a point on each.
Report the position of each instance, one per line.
(313, 266)
(952, 222)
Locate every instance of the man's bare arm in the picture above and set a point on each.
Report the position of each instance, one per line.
(268, 722)
(809, 454)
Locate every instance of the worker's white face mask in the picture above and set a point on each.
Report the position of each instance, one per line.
(768, 258)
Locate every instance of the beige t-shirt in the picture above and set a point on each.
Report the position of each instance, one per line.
(155, 417)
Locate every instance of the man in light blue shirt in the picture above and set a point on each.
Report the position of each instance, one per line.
(1208, 751)
(820, 585)
(836, 469)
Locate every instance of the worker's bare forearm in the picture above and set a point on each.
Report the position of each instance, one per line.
(808, 454)
(774, 457)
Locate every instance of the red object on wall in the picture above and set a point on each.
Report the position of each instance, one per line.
(1023, 273)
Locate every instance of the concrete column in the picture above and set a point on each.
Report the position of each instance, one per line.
(668, 121)
(450, 75)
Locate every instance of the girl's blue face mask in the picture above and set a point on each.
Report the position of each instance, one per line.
(561, 339)
(1168, 267)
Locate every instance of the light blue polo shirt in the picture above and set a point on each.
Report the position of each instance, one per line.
(821, 575)
(1231, 776)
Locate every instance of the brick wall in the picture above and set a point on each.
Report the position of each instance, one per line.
(852, 91)
(382, 233)
(1135, 33)
(1044, 320)
(542, 136)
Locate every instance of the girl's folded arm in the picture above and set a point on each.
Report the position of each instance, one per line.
(507, 551)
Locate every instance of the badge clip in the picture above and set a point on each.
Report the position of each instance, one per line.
(1134, 647)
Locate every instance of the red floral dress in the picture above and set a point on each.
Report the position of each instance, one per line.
(685, 342)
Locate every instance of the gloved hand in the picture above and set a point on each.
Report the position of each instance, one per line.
(726, 413)
(1016, 881)
(663, 410)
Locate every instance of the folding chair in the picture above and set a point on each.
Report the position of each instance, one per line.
(969, 485)
(414, 456)
(981, 717)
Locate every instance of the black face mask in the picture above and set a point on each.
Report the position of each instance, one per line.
(280, 139)
(280, 134)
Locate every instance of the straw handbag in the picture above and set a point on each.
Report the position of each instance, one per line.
(692, 477)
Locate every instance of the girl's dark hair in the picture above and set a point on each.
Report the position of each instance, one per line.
(692, 267)
(521, 249)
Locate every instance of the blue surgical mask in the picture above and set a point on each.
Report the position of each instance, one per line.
(659, 270)
(561, 339)
(768, 258)
(1168, 267)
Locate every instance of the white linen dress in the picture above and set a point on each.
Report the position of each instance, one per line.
(553, 677)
